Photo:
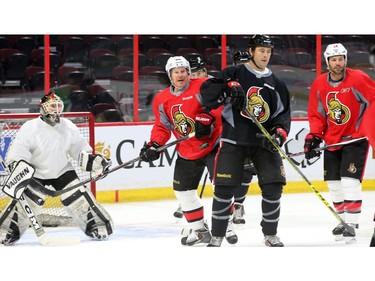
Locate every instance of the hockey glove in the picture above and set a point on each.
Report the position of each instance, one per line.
(95, 163)
(21, 173)
(148, 152)
(234, 90)
(311, 142)
(203, 123)
(278, 136)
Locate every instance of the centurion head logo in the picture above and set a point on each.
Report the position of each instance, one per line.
(337, 112)
(183, 124)
(256, 105)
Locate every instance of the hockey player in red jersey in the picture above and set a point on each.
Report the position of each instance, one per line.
(338, 99)
(266, 96)
(179, 109)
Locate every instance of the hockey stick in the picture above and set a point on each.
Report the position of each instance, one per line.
(203, 185)
(327, 147)
(54, 193)
(44, 239)
(282, 153)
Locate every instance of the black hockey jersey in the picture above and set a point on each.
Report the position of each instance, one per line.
(267, 98)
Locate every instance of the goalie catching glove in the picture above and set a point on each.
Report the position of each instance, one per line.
(278, 136)
(95, 163)
(203, 123)
(311, 142)
(149, 153)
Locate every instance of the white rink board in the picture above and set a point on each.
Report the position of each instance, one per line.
(125, 142)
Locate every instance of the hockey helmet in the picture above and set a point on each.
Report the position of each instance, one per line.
(260, 41)
(241, 57)
(372, 55)
(196, 64)
(51, 108)
(336, 49)
(177, 61)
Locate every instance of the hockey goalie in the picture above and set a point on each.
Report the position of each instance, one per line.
(38, 158)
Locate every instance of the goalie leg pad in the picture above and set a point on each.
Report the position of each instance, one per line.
(89, 215)
(16, 223)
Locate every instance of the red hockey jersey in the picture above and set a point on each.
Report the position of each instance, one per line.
(175, 113)
(335, 110)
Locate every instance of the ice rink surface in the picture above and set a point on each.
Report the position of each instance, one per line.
(146, 246)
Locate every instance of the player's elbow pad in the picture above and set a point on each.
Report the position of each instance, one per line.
(212, 92)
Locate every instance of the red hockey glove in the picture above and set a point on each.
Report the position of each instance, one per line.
(203, 123)
(311, 142)
(148, 152)
(278, 135)
(234, 90)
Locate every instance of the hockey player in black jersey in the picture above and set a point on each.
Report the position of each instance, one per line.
(249, 88)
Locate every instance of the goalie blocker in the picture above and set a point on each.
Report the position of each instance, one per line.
(80, 204)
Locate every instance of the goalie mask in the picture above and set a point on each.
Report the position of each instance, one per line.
(51, 108)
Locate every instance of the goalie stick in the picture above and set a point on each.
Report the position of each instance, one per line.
(54, 193)
(282, 153)
(327, 147)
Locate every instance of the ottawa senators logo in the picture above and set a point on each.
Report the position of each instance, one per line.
(337, 112)
(256, 105)
(352, 168)
(182, 123)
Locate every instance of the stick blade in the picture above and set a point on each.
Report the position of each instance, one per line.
(59, 241)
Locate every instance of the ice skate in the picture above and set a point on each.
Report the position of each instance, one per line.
(349, 237)
(230, 235)
(215, 241)
(178, 213)
(338, 232)
(196, 236)
(239, 212)
(272, 241)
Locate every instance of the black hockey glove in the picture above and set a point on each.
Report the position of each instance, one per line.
(234, 90)
(148, 152)
(203, 123)
(311, 142)
(278, 136)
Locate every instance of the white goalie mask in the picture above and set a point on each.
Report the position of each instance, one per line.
(336, 49)
(51, 108)
(177, 61)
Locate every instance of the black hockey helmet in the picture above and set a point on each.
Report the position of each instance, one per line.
(196, 64)
(260, 41)
(51, 108)
(241, 57)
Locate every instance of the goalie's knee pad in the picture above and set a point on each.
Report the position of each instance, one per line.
(89, 215)
(16, 223)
